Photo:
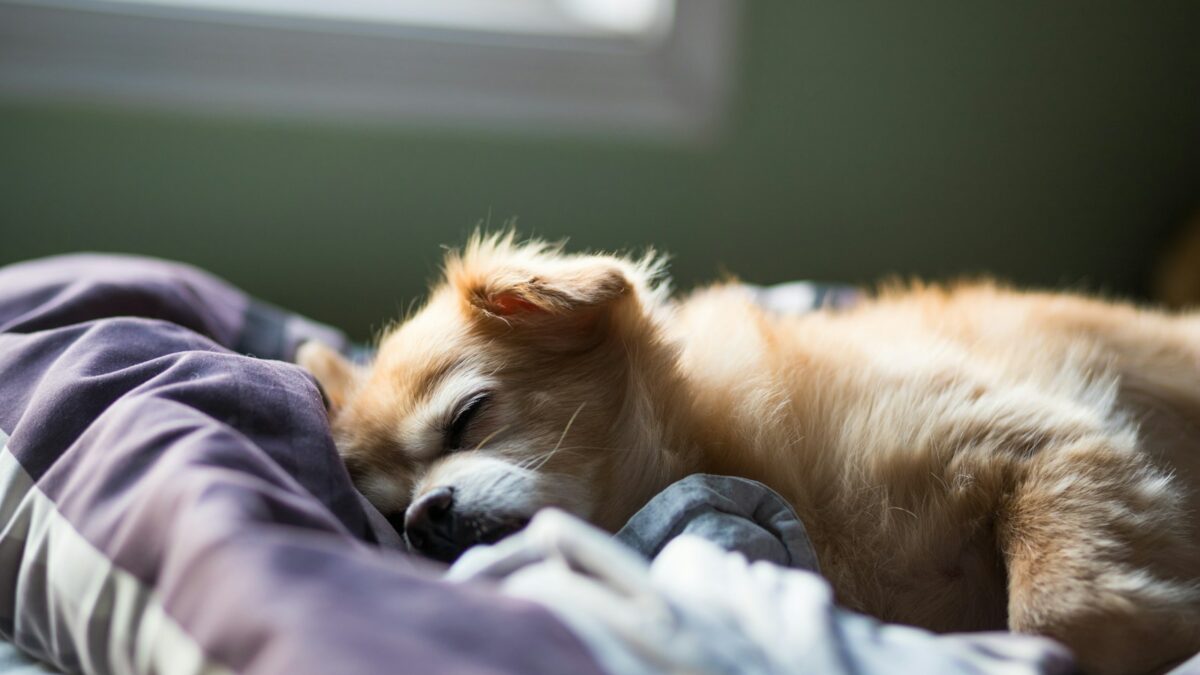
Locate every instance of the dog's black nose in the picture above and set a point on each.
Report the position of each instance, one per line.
(430, 527)
(436, 529)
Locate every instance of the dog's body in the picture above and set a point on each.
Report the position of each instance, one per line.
(965, 458)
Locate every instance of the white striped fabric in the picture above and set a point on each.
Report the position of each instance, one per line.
(71, 607)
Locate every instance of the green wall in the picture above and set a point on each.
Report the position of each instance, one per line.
(1046, 142)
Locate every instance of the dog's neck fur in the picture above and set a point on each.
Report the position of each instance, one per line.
(666, 424)
(672, 422)
(651, 442)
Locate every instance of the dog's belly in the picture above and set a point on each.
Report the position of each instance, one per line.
(1170, 435)
(926, 556)
(959, 588)
(930, 567)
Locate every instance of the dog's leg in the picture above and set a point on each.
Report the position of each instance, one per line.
(1098, 552)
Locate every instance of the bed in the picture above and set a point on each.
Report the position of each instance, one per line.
(171, 502)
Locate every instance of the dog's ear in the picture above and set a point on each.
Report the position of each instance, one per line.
(574, 288)
(535, 291)
(335, 373)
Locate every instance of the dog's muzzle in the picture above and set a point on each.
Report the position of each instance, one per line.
(438, 528)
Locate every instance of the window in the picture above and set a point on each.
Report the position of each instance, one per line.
(632, 18)
(658, 67)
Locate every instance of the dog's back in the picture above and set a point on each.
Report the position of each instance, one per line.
(974, 458)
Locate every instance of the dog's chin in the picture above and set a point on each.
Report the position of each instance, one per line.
(447, 545)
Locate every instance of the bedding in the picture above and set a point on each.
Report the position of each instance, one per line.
(697, 608)
(736, 514)
(171, 501)
(168, 504)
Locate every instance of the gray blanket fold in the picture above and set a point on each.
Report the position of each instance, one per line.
(737, 514)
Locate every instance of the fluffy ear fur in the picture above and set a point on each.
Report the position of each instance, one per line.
(556, 290)
(336, 374)
(536, 283)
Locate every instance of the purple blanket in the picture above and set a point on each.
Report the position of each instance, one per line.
(171, 500)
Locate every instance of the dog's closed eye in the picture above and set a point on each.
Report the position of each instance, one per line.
(467, 412)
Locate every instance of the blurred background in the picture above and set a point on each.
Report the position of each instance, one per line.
(319, 154)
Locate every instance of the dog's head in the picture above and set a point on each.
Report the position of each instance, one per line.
(530, 378)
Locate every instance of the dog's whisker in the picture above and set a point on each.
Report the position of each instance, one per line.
(490, 437)
(601, 448)
(539, 458)
(561, 438)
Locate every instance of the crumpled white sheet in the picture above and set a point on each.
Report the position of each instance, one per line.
(699, 609)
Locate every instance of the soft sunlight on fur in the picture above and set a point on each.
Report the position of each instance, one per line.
(964, 457)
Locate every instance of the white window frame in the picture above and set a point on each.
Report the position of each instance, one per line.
(211, 61)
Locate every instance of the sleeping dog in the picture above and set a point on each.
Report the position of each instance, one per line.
(964, 458)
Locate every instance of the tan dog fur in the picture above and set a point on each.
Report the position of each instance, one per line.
(963, 458)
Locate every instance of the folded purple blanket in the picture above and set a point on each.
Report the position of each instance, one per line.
(170, 503)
